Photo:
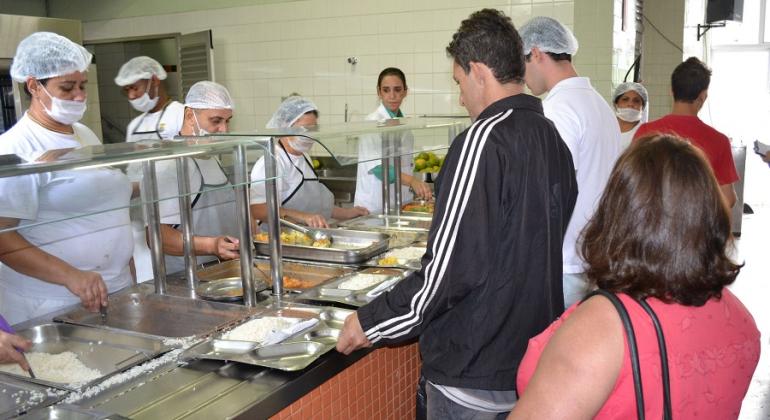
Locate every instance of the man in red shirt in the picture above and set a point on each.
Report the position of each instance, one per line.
(689, 85)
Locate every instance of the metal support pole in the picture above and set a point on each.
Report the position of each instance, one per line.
(185, 213)
(397, 184)
(273, 223)
(243, 214)
(149, 194)
(385, 174)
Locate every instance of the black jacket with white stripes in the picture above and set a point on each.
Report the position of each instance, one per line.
(492, 275)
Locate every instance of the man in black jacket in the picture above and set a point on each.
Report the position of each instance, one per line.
(491, 277)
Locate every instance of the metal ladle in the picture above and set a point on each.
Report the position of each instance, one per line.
(314, 234)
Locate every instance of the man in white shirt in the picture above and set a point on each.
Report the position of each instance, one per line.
(585, 122)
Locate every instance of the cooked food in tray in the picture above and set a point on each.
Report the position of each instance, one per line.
(295, 238)
(63, 368)
(361, 281)
(269, 329)
(419, 206)
(402, 256)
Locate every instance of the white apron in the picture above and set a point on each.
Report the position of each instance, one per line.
(310, 195)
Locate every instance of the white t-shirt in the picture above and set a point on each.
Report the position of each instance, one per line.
(628, 136)
(369, 187)
(144, 126)
(590, 129)
(98, 242)
(288, 179)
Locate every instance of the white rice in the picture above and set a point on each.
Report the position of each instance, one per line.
(408, 253)
(64, 367)
(259, 329)
(362, 281)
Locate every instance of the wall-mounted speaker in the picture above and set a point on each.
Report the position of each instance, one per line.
(720, 10)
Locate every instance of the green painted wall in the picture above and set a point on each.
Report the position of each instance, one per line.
(90, 10)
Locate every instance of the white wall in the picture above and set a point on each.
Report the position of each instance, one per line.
(263, 52)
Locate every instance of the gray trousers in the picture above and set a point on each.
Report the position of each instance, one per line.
(441, 407)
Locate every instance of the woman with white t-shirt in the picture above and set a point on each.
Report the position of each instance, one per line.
(73, 242)
(391, 89)
(631, 109)
(304, 198)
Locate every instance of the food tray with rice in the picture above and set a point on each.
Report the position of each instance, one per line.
(355, 289)
(18, 396)
(389, 223)
(409, 257)
(159, 316)
(222, 282)
(70, 357)
(345, 247)
(289, 338)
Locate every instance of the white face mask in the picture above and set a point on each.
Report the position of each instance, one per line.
(66, 112)
(201, 132)
(301, 144)
(144, 103)
(629, 114)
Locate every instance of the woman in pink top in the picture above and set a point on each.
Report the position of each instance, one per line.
(661, 232)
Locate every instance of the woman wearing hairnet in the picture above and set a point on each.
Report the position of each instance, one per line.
(630, 102)
(208, 110)
(54, 259)
(303, 198)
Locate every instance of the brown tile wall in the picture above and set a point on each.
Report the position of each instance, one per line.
(382, 385)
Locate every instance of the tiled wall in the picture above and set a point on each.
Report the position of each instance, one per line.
(264, 52)
(660, 57)
(382, 385)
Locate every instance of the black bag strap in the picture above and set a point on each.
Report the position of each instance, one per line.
(634, 351)
(632, 348)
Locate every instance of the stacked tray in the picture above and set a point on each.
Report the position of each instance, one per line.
(355, 289)
(160, 316)
(109, 352)
(347, 247)
(389, 223)
(222, 282)
(296, 350)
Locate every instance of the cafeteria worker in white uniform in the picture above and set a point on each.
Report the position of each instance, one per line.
(142, 82)
(208, 110)
(391, 89)
(630, 101)
(66, 259)
(304, 199)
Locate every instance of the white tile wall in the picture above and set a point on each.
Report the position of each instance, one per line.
(264, 52)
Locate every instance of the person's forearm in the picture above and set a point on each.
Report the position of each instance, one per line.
(20, 255)
(259, 212)
(173, 243)
(406, 179)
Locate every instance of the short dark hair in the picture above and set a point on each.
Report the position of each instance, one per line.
(391, 71)
(488, 36)
(662, 228)
(689, 79)
(554, 56)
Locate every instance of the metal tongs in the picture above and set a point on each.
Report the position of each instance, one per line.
(7, 328)
(316, 235)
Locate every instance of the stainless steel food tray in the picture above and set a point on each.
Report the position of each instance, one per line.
(387, 223)
(359, 246)
(306, 274)
(331, 292)
(18, 396)
(412, 264)
(161, 316)
(294, 353)
(107, 351)
(423, 203)
(70, 412)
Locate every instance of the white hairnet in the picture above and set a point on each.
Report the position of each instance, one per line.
(548, 35)
(43, 55)
(139, 68)
(629, 86)
(290, 111)
(208, 95)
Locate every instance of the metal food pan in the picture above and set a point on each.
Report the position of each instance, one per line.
(388, 223)
(347, 247)
(18, 396)
(161, 316)
(406, 208)
(306, 275)
(330, 292)
(413, 264)
(107, 351)
(294, 353)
